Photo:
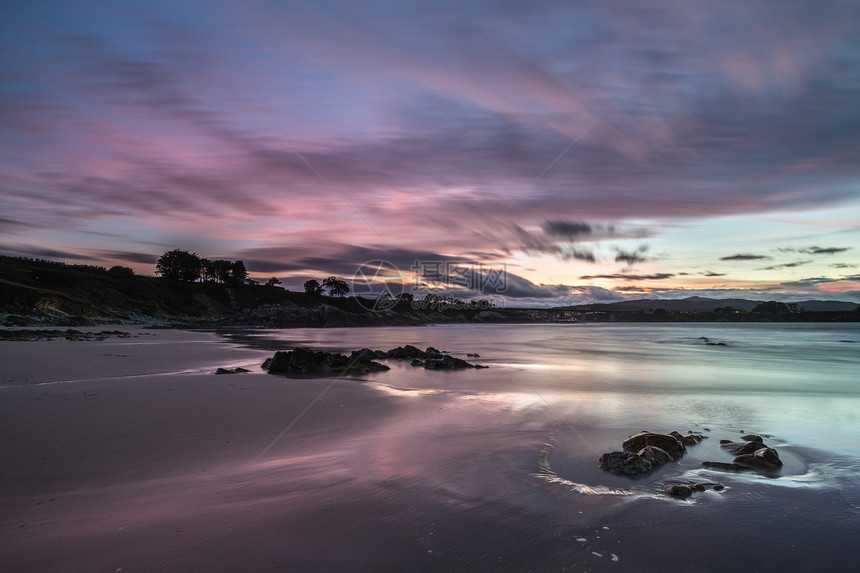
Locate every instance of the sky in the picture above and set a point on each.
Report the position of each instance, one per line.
(537, 153)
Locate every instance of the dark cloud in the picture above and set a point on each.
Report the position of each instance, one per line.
(744, 257)
(816, 250)
(713, 274)
(131, 256)
(568, 253)
(811, 282)
(343, 260)
(785, 266)
(827, 251)
(8, 225)
(48, 254)
(570, 230)
(629, 277)
(631, 258)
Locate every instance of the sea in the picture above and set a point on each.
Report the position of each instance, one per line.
(495, 469)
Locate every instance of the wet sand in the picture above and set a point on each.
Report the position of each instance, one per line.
(157, 464)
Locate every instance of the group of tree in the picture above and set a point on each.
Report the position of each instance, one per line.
(335, 286)
(182, 266)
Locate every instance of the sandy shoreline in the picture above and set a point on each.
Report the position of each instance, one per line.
(85, 459)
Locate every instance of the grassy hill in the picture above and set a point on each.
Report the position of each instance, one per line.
(34, 292)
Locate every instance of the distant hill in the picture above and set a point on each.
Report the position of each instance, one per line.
(699, 304)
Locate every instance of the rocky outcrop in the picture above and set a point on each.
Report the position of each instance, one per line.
(447, 362)
(646, 451)
(307, 362)
(430, 359)
(410, 351)
(231, 370)
(750, 454)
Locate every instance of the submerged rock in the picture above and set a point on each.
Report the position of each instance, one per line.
(685, 490)
(231, 370)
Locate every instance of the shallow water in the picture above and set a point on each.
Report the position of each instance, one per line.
(514, 446)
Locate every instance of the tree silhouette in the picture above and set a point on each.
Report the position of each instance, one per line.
(273, 281)
(313, 288)
(208, 270)
(336, 287)
(178, 265)
(119, 271)
(222, 270)
(238, 270)
(771, 307)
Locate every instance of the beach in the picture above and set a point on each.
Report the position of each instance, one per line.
(131, 454)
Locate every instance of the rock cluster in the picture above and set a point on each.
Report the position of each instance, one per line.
(430, 359)
(237, 370)
(307, 362)
(750, 454)
(646, 451)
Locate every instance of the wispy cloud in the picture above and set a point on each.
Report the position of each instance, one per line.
(630, 277)
(744, 257)
(785, 266)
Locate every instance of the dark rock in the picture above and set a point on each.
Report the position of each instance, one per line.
(306, 362)
(231, 371)
(407, 351)
(624, 463)
(690, 439)
(725, 466)
(646, 450)
(679, 490)
(367, 354)
(655, 455)
(472, 355)
(752, 438)
(763, 458)
(669, 444)
(741, 448)
(417, 362)
(630, 463)
(432, 352)
(685, 490)
(447, 362)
